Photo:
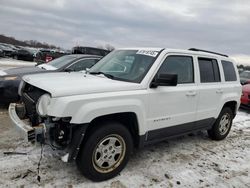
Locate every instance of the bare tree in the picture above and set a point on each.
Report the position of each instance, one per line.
(31, 43)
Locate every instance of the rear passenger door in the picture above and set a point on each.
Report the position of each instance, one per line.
(210, 91)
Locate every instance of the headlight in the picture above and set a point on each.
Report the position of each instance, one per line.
(10, 78)
(42, 105)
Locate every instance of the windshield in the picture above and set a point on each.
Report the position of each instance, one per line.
(126, 65)
(245, 75)
(61, 61)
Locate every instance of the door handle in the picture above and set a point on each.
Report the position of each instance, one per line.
(219, 91)
(191, 93)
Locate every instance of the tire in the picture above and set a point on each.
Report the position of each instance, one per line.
(105, 152)
(222, 125)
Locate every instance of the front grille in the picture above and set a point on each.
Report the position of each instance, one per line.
(30, 96)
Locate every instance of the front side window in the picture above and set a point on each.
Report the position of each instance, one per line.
(209, 70)
(126, 65)
(180, 65)
(229, 71)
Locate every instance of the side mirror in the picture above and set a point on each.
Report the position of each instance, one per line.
(164, 80)
(87, 70)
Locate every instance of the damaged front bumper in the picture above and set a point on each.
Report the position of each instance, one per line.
(27, 132)
(40, 133)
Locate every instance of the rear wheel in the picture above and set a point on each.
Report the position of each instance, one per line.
(222, 126)
(105, 152)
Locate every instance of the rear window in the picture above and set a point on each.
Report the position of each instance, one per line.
(61, 61)
(209, 70)
(229, 71)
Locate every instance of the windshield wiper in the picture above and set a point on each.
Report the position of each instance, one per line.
(105, 74)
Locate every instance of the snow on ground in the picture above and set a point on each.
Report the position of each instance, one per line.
(6, 63)
(187, 161)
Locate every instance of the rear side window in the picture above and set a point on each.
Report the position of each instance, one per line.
(180, 65)
(209, 70)
(229, 71)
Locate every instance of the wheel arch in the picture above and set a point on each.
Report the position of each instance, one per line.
(232, 105)
(127, 119)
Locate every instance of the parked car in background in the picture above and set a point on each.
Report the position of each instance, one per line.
(245, 97)
(1, 53)
(245, 77)
(11, 78)
(89, 50)
(9, 46)
(6, 51)
(47, 55)
(26, 54)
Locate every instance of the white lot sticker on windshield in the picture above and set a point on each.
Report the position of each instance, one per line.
(147, 52)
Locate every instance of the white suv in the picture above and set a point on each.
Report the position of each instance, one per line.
(130, 98)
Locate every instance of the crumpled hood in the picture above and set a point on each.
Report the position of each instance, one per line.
(77, 83)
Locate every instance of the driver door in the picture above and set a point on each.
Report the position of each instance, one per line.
(172, 109)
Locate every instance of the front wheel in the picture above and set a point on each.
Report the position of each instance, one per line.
(222, 125)
(105, 152)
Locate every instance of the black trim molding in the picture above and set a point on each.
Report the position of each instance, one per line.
(164, 133)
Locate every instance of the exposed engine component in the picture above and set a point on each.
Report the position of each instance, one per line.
(60, 134)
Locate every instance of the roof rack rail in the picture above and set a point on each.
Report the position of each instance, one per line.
(200, 50)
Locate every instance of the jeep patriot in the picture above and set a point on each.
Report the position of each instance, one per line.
(130, 98)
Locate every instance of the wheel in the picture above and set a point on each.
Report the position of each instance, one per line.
(222, 125)
(105, 152)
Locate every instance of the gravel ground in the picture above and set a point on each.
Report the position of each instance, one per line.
(188, 161)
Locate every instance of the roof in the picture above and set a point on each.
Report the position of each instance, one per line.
(191, 52)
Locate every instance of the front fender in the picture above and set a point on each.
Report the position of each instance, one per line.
(90, 111)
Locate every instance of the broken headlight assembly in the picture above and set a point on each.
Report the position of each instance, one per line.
(42, 105)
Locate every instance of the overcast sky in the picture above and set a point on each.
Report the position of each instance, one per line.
(217, 25)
